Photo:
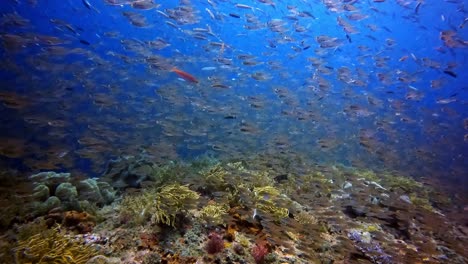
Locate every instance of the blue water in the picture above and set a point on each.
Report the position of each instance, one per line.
(103, 95)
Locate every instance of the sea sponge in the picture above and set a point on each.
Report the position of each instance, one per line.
(79, 221)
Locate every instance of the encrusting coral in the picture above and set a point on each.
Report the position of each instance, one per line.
(161, 205)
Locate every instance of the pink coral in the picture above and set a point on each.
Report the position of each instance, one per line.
(259, 252)
(215, 243)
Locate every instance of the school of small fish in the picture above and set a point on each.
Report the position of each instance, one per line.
(343, 81)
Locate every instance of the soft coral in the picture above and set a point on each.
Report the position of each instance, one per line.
(259, 251)
(215, 243)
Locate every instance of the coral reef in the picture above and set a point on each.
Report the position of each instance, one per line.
(258, 210)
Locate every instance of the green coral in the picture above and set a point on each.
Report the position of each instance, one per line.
(52, 246)
(160, 204)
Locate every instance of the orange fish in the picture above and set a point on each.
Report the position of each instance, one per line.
(184, 75)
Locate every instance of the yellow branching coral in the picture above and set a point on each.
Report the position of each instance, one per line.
(160, 204)
(237, 166)
(266, 191)
(266, 200)
(215, 177)
(261, 178)
(404, 183)
(213, 213)
(305, 218)
(368, 175)
(172, 199)
(52, 246)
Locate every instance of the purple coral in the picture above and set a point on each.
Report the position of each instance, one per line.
(215, 243)
(371, 250)
(355, 236)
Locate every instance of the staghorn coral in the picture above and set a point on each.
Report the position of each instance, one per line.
(161, 205)
(52, 246)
